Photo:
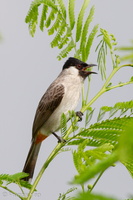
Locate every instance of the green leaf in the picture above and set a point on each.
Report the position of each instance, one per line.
(102, 112)
(26, 184)
(89, 114)
(62, 8)
(71, 12)
(65, 39)
(84, 158)
(57, 38)
(50, 18)
(101, 58)
(34, 21)
(85, 28)
(126, 147)
(5, 177)
(107, 131)
(80, 20)
(106, 37)
(13, 178)
(64, 53)
(78, 157)
(108, 42)
(99, 153)
(63, 124)
(55, 26)
(123, 107)
(18, 176)
(43, 16)
(92, 171)
(32, 16)
(120, 108)
(90, 40)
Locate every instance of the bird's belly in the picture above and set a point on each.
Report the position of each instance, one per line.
(68, 103)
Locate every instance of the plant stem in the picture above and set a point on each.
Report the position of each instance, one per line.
(82, 186)
(96, 181)
(119, 85)
(21, 189)
(15, 194)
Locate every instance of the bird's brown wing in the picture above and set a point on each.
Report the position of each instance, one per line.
(48, 103)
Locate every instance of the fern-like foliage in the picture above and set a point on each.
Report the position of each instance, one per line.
(101, 59)
(62, 24)
(80, 20)
(94, 161)
(120, 108)
(84, 158)
(126, 147)
(43, 16)
(32, 16)
(71, 13)
(50, 18)
(15, 178)
(88, 117)
(104, 137)
(90, 42)
(108, 41)
(72, 117)
(63, 124)
(98, 134)
(86, 27)
(62, 8)
(64, 53)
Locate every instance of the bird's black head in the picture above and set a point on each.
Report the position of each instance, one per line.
(80, 65)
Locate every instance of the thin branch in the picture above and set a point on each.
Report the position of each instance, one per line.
(96, 181)
(119, 85)
(15, 194)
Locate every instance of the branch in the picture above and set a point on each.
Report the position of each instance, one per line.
(15, 194)
(119, 85)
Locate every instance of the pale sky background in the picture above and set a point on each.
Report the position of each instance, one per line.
(28, 65)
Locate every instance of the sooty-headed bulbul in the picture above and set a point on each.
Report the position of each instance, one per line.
(60, 97)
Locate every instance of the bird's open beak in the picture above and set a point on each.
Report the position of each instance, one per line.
(86, 70)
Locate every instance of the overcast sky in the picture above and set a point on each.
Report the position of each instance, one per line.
(28, 65)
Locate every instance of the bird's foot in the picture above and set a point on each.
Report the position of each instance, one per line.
(60, 139)
(79, 114)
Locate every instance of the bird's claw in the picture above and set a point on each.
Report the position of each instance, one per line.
(79, 114)
(60, 139)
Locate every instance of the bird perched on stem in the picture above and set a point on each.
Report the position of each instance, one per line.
(60, 97)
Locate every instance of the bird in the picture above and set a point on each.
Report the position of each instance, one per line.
(61, 97)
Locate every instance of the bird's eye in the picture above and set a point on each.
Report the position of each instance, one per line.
(79, 67)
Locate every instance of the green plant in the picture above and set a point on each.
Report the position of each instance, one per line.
(113, 124)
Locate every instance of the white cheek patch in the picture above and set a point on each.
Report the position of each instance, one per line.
(73, 70)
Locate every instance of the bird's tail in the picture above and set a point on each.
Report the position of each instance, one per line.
(31, 160)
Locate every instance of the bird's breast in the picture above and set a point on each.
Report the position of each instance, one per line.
(72, 91)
